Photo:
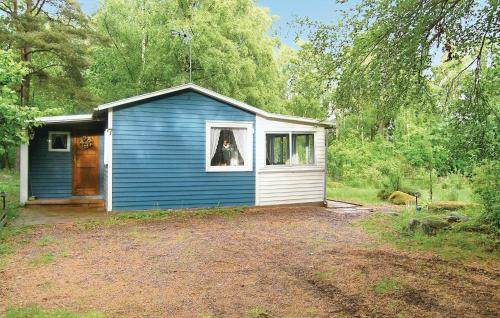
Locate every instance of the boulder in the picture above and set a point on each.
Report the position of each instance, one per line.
(400, 198)
(413, 224)
(455, 217)
(431, 226)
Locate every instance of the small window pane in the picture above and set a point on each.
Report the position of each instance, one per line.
(227, 146)
(277, 146)
(58, 141)
(303, 149)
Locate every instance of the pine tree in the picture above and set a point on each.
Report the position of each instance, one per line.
(50, 37)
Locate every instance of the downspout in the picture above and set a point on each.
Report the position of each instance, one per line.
(325, 202)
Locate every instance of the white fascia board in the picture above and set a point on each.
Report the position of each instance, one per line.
(217, 96)
(65, 119)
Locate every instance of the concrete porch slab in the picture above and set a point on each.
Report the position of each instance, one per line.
(37, 215)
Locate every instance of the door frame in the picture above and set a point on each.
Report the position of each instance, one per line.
(74, 143)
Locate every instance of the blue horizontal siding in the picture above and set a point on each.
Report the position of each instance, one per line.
(159, 156)
(51, 173)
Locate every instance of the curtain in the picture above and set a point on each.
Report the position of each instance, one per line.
(214, 141)
(240, 136)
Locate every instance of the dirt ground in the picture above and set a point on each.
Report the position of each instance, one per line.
(293, 262)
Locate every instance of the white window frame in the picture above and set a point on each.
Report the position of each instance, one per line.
(248, 166)
(290, 149)
(68, 141)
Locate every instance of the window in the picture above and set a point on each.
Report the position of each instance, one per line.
(59, 141)
(279, 148)
(229, 146)
(303, 149)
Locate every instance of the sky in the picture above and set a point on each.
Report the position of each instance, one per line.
(285, 12)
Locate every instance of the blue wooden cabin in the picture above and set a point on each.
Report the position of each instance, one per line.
(181, 147)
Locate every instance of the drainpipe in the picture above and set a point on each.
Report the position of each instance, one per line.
(326, 169)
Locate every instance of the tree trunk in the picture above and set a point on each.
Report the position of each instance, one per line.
(381, 128)
(26, 57)
(5, 158)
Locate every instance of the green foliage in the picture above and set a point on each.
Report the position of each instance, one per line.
(486, 184)
(36, 312)
(15, 120)
(9, 182)
(462, 241)
(50, 37)
(232, 52)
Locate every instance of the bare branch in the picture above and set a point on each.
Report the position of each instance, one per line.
(5, 8)
(41, 3)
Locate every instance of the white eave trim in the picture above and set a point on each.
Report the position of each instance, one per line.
(217, 96)
(66, 119)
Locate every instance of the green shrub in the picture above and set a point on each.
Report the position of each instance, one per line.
(385, 193)
(486, 185)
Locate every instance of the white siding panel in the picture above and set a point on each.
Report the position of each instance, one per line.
(288, 184)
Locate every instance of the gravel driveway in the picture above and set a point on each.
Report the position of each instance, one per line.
(286, 262)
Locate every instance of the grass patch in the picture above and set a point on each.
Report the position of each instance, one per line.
(443, 190)
(9, 182)
(461, 241)
(386, 286)
(179, 214)
(46, 240)
(342, 192)
(35, 312)
(43, 259)
(258, 312)
(321, 276)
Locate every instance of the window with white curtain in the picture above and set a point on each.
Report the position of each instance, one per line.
(229, 146)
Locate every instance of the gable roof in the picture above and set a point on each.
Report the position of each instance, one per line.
(216, 96)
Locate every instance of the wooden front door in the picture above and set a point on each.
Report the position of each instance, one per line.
(85, 163)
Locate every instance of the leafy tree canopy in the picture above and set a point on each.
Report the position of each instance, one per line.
(51, 38)
(15, 120)
(231, 51)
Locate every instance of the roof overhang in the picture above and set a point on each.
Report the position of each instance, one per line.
(66, 119)
(217, 96)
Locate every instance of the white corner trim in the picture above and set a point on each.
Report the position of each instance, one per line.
(23, 174)
(249, 145)
(68, 141)
(108, 150)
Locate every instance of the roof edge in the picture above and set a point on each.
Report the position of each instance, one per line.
(217, 96)
(66, 119)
